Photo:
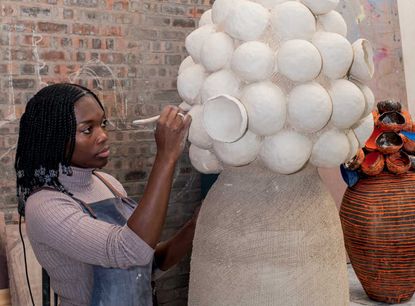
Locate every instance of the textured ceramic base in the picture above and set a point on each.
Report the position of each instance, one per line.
(379, 228)
(268, 239)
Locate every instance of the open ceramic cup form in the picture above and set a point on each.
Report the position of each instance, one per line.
(373, 163)
(363, 67)
(391, 121)
(225, 118)
(371, 142)
(389, 142)
(389, 106)
(398, 162)
(356, 161)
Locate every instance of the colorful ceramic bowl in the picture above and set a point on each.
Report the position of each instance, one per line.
(373, 163)
(389, 142)
(391, 121)
(389, 106)
(356, 161)
(398, 162)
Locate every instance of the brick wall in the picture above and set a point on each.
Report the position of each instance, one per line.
(128, 52)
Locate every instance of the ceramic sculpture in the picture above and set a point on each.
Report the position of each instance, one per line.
(275, 89)
(377, 207)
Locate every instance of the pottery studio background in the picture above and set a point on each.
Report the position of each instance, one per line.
(129, 53)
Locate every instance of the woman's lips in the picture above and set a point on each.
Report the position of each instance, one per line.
(104, 154)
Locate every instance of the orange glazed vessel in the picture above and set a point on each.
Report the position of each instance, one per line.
(378, 220)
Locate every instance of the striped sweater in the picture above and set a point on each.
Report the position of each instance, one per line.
(67, 241)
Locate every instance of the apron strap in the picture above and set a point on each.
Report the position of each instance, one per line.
(108, 184)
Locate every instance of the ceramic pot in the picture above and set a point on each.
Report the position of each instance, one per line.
(379, 232)
(264, 238)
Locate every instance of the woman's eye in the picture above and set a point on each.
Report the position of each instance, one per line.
(104, 123)
(86, 130)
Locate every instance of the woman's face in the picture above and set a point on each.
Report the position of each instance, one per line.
(91, 148)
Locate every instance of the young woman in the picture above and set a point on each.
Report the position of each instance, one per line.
(96, 244)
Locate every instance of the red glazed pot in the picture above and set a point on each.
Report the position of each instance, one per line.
(378, 220)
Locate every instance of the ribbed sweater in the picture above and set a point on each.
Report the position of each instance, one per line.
(67, 242)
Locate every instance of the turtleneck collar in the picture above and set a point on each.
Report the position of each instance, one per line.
(81, 179)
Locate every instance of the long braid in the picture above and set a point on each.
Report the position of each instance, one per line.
(47, 139)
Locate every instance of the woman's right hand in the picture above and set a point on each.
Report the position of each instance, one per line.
(171, 133)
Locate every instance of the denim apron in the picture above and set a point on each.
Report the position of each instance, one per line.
(112, 286)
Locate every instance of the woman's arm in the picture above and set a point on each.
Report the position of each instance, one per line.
(148, 218)
(170, 252)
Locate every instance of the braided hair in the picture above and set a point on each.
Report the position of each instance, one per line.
(47, 139)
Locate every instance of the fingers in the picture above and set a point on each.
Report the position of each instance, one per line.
(171, 117)
(164, 114)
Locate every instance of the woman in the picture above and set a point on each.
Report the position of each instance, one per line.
(96, 244)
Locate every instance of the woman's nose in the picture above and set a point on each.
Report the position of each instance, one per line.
(102, 136)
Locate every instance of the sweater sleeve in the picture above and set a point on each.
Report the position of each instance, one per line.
(58, 221)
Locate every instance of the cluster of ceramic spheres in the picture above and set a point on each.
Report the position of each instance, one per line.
(232, 84)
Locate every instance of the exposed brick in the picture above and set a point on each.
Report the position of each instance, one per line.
(50, 27)
(23, 83)
(84, 29)
(53, 55)
(82, 3)
(185, 23)
(96, 43)
(67, 13)
(35, 12)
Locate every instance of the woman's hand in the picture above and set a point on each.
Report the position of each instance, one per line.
(171, 133)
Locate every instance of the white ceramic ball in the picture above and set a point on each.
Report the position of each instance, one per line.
(185, 106)
(265, 105)
(253, 61)
(321, 6)
(189, 83)
(220, 82)
(348, 103)
(221, 9)
(354, 144)
(206, 18)
(194, 41)
(331, 149)
(369, 98)
(270, 4)
(247, 20)
(216, 51)
(309, 107)
(332, 22)
(197, 132)
(299, 60)
(285, 152)
(187, 62)
(364, 129)
(336, 52)
(204, 161)
(239, 153)
(292, 20)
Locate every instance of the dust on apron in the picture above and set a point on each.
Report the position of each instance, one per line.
(113, 286)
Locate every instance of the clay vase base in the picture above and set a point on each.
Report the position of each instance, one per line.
(264, 238)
